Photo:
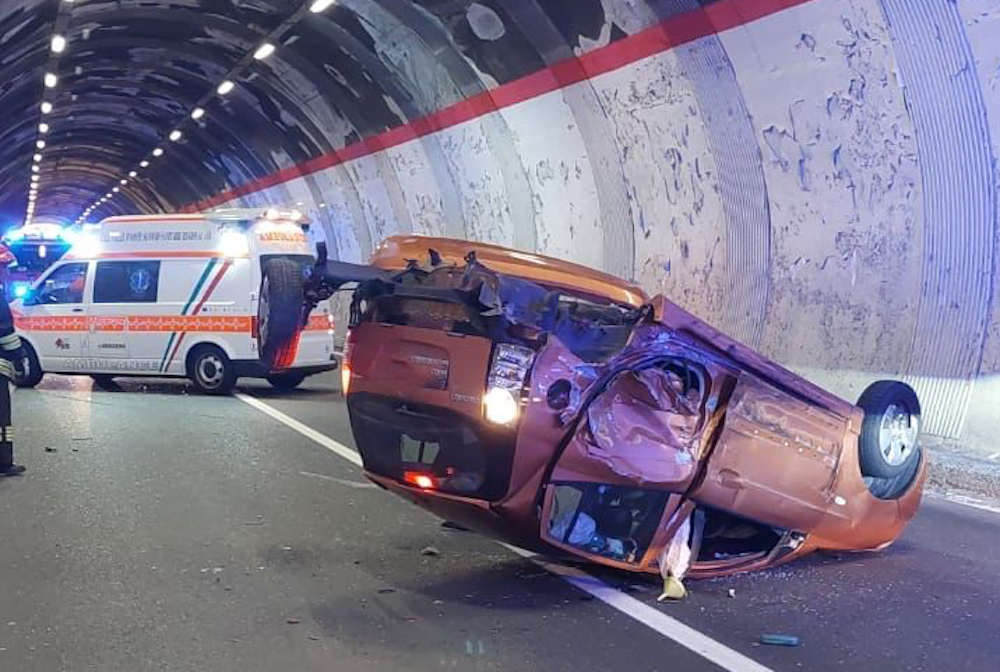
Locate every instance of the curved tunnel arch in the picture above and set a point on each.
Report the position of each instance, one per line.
(668, 140)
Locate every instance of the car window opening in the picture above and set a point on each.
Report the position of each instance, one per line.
(725, 536)
(612, 521)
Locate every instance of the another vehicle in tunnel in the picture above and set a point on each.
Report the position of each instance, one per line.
(209, 297)
(557, 407)
(36, 247)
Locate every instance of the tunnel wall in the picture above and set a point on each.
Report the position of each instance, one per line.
(818, 179)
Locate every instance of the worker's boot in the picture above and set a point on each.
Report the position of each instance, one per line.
(7, 466)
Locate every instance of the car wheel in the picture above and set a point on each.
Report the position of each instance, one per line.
(890, 431)
(103, 379)
(286, 381)
(279, 309)
(34, 373)
(211, 370)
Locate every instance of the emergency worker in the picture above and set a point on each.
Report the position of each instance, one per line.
(13, 360)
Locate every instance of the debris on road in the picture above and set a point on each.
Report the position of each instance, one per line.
(293, 621)
(673, 589)
(731, 592)
(779, 640)
(431, 552)
(50, 449)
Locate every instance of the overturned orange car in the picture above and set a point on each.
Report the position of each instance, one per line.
(560, 409)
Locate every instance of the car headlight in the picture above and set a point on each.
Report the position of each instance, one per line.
(508, 372)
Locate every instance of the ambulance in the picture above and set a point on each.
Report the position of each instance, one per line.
(212, 297)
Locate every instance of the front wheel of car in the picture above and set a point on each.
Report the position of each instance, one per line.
(211, 371)
(34, 374)
(890, 433)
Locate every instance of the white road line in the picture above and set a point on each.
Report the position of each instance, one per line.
(708, 648)
(963, 500)
(305, 430)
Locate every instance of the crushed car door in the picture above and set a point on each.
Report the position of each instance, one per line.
(614, 494)
(776, 458)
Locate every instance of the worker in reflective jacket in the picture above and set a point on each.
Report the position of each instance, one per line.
(13, 361)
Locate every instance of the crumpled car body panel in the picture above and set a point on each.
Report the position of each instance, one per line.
(631, 428)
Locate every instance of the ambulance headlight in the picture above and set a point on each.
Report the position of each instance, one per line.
(234, 243)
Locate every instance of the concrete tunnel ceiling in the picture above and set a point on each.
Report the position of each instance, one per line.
(816, 177)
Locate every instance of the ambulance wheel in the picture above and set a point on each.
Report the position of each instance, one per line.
(34, 373)
(279, 309)
(286, 381)
(211, 371)
(103, 380)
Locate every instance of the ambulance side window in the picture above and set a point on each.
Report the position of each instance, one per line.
(126, 282)
(63, 285)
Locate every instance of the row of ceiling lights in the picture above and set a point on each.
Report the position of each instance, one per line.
(57, 46)
(264, 51)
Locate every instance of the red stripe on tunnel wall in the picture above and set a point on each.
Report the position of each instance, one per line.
(669, 33)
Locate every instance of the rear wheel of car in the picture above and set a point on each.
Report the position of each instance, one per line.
(34, 373)
(279, 310)
(889, 443)
(103, 379)
(211, 371)
(286, 381)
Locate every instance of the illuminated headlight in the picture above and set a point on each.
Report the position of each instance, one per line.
(502, 401)
(233, 243)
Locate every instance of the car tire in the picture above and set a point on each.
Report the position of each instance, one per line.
(103, 379)
(279, 309)
(286, 381)
(35, 372)
(890, 433)
(211, 371)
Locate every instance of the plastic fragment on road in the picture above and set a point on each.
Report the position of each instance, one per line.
(431, 552)
(675, 562)
(779, 640)
(673, 589)
(731, 592)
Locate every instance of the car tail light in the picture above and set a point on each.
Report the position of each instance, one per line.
(345, 365)
(508, 373)
(420, 479)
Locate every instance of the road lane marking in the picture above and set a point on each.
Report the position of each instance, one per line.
(671, 628)
(341, 481)
(964, 500)
(305, 430)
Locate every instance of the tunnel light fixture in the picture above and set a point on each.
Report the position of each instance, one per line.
(123, 182)
(197, 113)
(144, 164)
(263, 51)
(320, 6)
(225, 87)
(58, 44)
(35, 178)
(133, 173)
(46, 107)
(109, 195)
(40, 144)
(37, 158)
(43, 128)
(115, 190)
(158, 151)
(51, 80)
(175, 136)
(35, 168)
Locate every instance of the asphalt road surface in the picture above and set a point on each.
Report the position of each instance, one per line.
(160, 530)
